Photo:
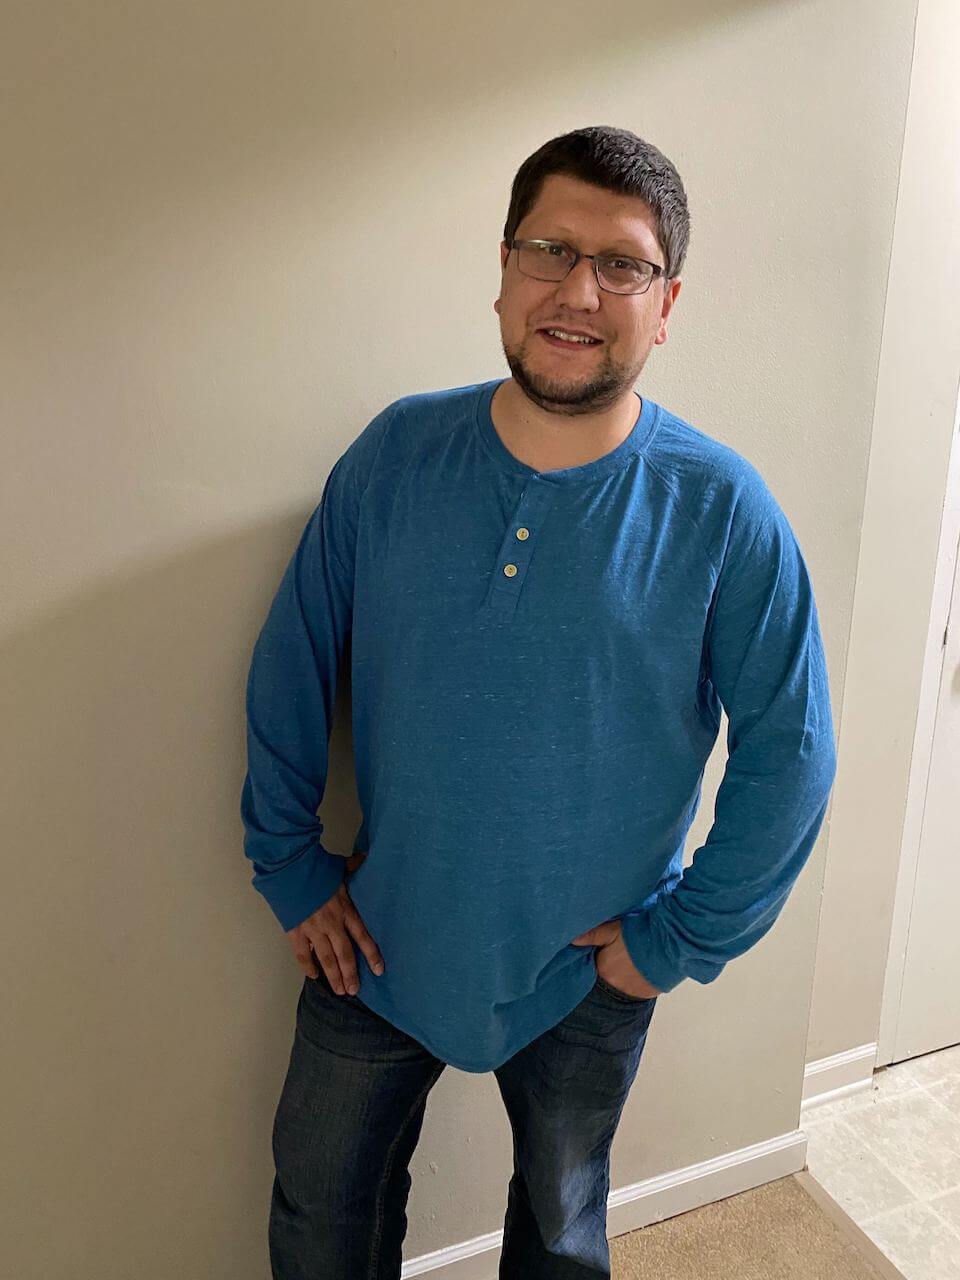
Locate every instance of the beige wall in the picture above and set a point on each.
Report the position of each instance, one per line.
(914, 419)
(186, 349)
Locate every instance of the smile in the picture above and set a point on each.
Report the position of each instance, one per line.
(571, 344)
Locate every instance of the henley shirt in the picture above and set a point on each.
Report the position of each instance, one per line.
(538, 662)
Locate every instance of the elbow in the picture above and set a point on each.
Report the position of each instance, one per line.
(823, 765)
(817, 758)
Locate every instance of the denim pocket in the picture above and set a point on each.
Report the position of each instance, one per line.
(322, 982)
(610, 990)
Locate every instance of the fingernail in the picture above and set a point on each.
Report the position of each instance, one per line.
(353, 989)
(378, 967)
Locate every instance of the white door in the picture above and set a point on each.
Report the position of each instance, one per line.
(928, 1017)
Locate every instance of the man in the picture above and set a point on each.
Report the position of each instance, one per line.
(548, 587)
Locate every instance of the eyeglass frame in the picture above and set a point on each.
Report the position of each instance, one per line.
(518, 243)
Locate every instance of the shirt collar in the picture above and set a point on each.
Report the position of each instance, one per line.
(634, 443)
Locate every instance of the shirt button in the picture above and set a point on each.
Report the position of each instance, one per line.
(523, 534)
(510, 570)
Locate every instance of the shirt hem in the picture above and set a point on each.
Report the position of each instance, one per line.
(558, 1009)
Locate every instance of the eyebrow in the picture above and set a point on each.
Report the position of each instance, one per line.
(630, 251)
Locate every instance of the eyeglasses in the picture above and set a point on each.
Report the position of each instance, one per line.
(554, 260)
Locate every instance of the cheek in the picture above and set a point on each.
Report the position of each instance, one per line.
(520, 324)
(521, 307)
(634, 337)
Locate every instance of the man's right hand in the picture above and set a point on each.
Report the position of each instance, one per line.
(327, 934)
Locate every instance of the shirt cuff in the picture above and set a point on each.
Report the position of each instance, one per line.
(296, 889)
(646, 949)
(655, 949)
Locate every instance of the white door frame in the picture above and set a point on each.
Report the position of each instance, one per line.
(941, 608)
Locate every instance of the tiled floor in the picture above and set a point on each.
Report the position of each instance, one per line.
(890, 1156)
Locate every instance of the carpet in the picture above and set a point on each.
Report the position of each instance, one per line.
(788, 1229)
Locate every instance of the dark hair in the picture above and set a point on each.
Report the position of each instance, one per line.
(619, 161)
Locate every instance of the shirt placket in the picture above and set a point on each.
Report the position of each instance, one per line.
(524, 529)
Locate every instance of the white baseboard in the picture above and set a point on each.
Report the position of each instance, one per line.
(681, 1190)
(631, 1207)
(843, 1073)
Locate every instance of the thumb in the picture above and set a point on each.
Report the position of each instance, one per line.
(599, 935)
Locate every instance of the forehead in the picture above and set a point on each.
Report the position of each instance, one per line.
(592, 218)
(585, 215)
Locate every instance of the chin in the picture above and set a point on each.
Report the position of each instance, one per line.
(573, 391)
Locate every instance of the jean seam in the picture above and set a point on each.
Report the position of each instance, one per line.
(378, 1231)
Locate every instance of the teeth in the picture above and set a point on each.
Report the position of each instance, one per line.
(570, 337)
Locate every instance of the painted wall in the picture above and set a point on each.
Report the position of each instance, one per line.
(230, 234)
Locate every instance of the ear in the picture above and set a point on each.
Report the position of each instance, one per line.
(669, 298)
(504, 253)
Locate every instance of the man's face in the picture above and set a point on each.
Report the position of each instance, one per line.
(582, 379)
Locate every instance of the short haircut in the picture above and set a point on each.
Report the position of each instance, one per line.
(619, 161)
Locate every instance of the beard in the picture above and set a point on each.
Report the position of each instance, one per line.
(590, 390)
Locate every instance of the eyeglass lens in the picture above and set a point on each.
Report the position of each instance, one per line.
(552, 261)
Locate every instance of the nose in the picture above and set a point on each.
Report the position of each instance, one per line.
(580, 290)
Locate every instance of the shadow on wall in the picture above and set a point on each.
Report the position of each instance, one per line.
(186, 114)
(141, 965)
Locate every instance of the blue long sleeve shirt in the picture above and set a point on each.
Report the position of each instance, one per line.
(538, 660)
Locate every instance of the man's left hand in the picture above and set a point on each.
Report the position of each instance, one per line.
(613, 959)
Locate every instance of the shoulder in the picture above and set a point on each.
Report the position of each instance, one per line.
(410, 422)
(720, 489)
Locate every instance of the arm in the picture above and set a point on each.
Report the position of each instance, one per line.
(767, 664)
(289, 703)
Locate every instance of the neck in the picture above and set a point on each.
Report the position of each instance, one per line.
(553, 441)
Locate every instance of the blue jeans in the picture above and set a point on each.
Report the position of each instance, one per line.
(350, 1115)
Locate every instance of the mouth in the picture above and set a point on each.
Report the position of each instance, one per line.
(564, 344)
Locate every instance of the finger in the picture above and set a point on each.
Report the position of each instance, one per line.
(365, 942)
(335, 953)
(332, 970)
(304, 957)
(325, 959)
(347, 961)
